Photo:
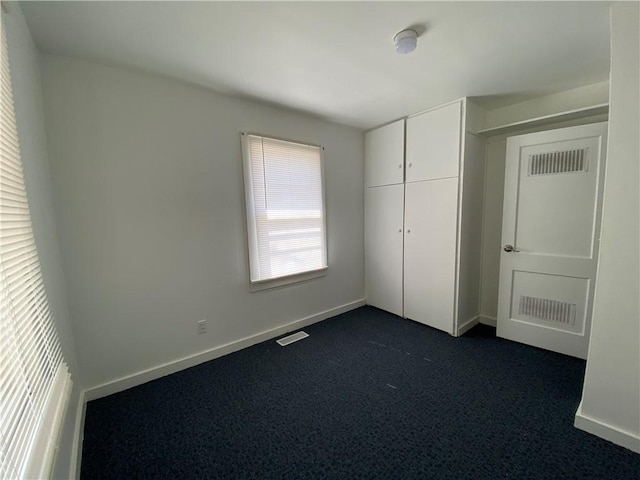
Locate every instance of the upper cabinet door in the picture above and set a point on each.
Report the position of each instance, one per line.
(433, 144)
(384, 155)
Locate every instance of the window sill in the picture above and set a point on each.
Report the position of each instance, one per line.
(287, 280)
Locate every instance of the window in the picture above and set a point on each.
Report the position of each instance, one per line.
(34, 380)
(284, 193)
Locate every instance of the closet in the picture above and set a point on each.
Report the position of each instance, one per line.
(423, 216)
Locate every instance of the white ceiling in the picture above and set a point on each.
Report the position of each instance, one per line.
(336, 59)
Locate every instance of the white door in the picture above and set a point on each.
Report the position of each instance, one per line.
(384, 155)
(430, 252)
(384, 208)
(433, 144)
(550, 229)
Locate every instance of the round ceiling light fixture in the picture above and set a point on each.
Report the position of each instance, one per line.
(406, 41)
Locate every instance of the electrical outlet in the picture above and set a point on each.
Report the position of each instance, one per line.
(202, 327)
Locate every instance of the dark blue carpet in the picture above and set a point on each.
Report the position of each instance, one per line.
(367, 395)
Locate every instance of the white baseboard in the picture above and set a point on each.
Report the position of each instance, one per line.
(78, 437)
(145, 376)
(468, 325)
(486, 320)
(608, 432)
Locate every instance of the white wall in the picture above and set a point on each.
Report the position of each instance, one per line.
(27, 94)
(610, 404)
(147, 177)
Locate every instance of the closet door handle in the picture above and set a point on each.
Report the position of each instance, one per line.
(408, 230)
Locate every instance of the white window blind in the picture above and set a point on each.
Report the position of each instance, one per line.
(34, 381)
(285, 207)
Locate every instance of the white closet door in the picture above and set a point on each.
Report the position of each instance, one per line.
(431, 210)
(384, 155)
(383, 247)
(433, 144)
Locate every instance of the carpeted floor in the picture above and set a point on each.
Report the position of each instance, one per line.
(368, 395)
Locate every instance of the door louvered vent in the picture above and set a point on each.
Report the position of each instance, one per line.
(550, 310)
(558, 162)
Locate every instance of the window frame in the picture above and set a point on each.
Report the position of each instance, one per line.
(250, 224)
(34, 370)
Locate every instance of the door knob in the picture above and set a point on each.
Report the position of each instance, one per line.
(509, 248)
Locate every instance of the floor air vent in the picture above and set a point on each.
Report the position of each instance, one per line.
(283, 342)
(558, 162)
(550, 310)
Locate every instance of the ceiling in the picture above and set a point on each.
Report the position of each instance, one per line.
(336, 59)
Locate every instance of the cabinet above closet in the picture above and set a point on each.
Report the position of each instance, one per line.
(384, 155)
(433, 143)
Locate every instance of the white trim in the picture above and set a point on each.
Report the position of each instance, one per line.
(78, 437)
(462, 144)
(544, 120)
(486, 320)
(608, 432)
(437, 107)
(153, 373)
(468, 325)
(271, 283)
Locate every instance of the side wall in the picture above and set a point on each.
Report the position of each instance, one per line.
(610, 405)
(27, 95)
(147, 178)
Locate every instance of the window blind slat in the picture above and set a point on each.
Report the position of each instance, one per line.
(14, 240)
(6, 186)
